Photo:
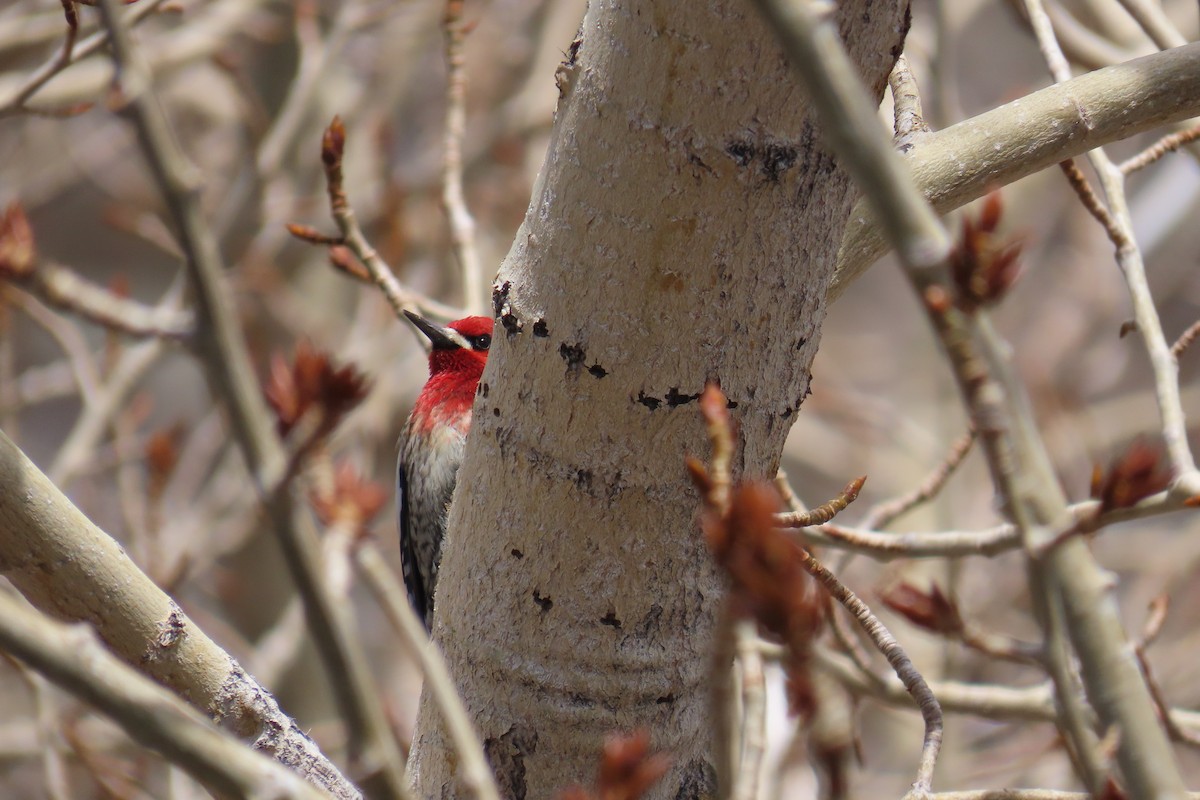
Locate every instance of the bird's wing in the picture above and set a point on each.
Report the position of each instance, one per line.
(414, 582)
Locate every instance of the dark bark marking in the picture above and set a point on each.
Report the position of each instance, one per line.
(675, 398)
(573, 354)
(649, 402)
(506, 756)
(541, 329)
(774, 158)
(649, 624)
(500, 297)
(598, 371)
(698, 782)
(741, 151)
(517, 554)
(610, 619)
(778, 158)
(544, 603)
(170, 632)
(508, 320)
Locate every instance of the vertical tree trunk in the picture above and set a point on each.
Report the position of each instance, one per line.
(683, 229)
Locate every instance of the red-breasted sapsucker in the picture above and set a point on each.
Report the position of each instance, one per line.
(431, 449)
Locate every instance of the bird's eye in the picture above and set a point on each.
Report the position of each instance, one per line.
(482, 341)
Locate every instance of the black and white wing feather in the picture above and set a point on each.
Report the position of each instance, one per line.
(414, 581)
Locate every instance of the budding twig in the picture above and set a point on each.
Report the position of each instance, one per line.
(353, 240)
(1118, 224)
(824, 513)
(739, 524)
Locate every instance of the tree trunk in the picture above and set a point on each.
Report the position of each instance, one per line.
(683, 229)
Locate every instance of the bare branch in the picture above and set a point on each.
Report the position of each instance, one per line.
(462, 224)
(73, 658)
(475, 773)
(96, 582)
(965, 161)
(1167, 144)
(1020, 466)
(914, 683)
(231, 374)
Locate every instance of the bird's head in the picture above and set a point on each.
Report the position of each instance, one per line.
(459, 348)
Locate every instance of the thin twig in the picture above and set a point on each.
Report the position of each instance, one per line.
(1021, 468)
(1167, 144)
(474, 772)
(69, 291)
(66, 333)
(1177, 733)
(1093, 204)
(102, 405)
(1157, 25)
(883, 514)
(1074, 722)
(51, 68)
(851, 645)
(462, 224)
(754, 711)
(68, 55)
(908, 118)
(824, 513)
(1118, 224)
(908, 674)
(48, 737)
(333, 145)
(1155, 620)
(314, 54)
(949, 544)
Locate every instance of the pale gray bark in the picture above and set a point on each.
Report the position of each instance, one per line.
(684, 229)
(68, 568)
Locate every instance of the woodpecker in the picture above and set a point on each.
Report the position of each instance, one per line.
(431, 449)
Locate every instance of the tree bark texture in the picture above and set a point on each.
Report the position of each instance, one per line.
(684, 228)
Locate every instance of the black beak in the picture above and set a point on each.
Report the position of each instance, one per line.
(437, 335)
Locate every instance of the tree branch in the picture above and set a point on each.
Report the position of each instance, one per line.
(73, 658)
(954, 166)
(70, 569)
